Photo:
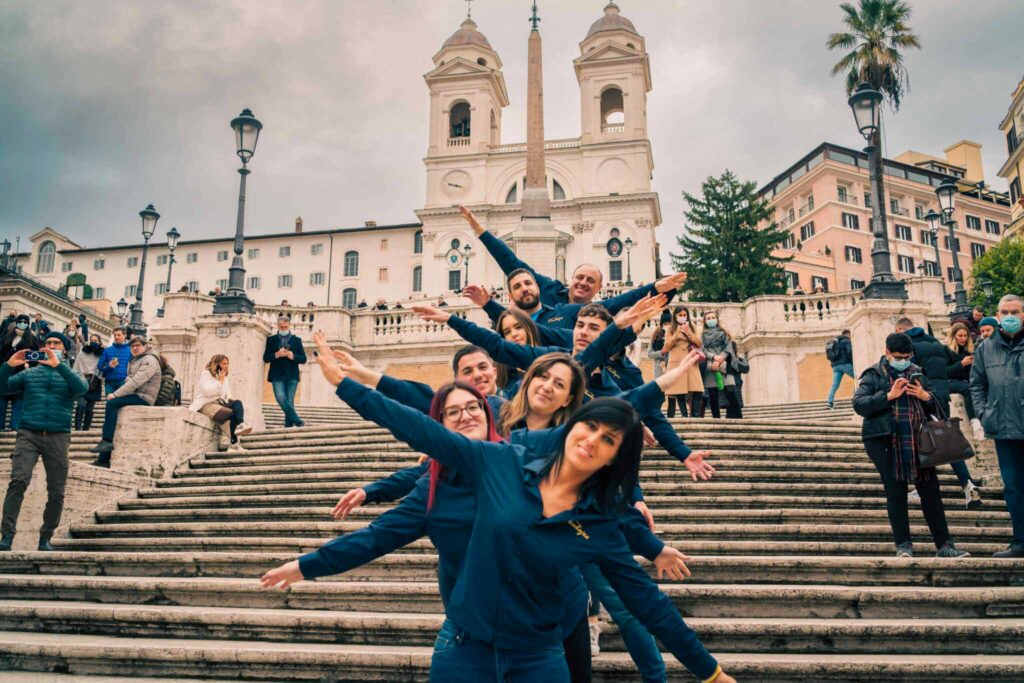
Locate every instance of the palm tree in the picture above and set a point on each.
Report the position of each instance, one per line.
(876, 32)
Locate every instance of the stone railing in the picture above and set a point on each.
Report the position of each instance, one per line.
(613, 127)
(566, 143)
(458, 142)
(28, 295)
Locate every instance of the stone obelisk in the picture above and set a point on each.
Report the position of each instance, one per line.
(536, 205)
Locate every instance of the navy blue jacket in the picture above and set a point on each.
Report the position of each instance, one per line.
(283, 369)
(510, 591)
(844, 351)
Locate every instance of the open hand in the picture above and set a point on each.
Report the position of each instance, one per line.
(51, 358)
(673, 563)
(471, 219)
(477, 294)
(641, 311)
(699, 469)
(322, 347)
(349, 502)
(646, 512)
(649, 439)
(282, 577)
(18, 359)
(332, 371)
(432, 314)
(670, 283)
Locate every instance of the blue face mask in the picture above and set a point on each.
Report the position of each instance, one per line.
(58, 353)
(1010, 324)
(21, 326)
(283, 333)
(899, 364)
(711, 323)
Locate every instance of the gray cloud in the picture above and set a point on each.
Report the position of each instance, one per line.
(107, 106)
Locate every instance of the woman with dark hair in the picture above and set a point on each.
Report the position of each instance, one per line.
(536, 520)
(19, 337)
(679, 341)
(517, 327)
(716, 345)
(87, 364)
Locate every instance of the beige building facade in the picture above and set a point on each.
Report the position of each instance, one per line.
(599, 182)
(1012, 169)
(824, 201)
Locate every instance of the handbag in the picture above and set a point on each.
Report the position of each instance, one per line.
(940, 441)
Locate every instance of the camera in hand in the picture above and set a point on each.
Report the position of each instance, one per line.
(35, 356)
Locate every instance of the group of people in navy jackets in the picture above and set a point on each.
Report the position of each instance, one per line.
(529, 486)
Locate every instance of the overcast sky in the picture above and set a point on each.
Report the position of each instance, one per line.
(107, 106)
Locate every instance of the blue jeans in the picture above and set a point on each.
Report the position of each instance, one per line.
(17, 404)
(1011, 465)
(284, 394)
(460, 659)
(837, 378)
(114, 405)
(110, 386)
(640, 643)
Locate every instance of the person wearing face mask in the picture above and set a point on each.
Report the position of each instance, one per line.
(894, 396)
(997, 387)
(18, 337)
(679, 341)
(49, 389)
(87, 364)
(285, 353)
(716, 344)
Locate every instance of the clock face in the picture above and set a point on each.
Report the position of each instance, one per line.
(223, 332)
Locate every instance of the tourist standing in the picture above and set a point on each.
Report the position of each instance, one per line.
(986, 328)
(75, 332)
(140, 388)
(87, 364)
(680, 339)
(285, 354)
(997, 387)
(839, 352)
(18, 337)
(49, 390)
(214, 400)
(960, 347)
(715, 344)
(656, 351)
(114, 361)
(893, 407)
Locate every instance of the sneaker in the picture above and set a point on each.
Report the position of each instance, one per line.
(595, 635)
(979, 431)
(831, 406)
(972, 496)
(913, 497)
(44, 545)
(951, 551)
(905, 550)
(236, 447)
(7, 541)
(243, 429)
(102, 447)
(100, 462)
(1014, 551)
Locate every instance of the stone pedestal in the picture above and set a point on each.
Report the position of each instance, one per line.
(152, 442)
(242, 338)
(871, 321)
(175, 337)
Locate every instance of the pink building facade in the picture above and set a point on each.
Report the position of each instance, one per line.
(824, 200)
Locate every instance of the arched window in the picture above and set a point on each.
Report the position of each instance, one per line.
(417, 242)
(417, 279)
(351, 264)
(348, 297)
(612, 108)
(47, 254)
(513, 194)
(459, 118)
(556, 190)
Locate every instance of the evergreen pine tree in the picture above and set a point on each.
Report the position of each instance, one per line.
(726, 256)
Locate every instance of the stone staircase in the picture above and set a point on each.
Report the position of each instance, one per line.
(804, 410)
(793, 574)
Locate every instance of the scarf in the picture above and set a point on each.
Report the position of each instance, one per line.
(908, 416)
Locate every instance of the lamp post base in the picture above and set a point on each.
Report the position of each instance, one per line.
(226, 304)
(885, 289)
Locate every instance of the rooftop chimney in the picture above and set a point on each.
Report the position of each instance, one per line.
(298, 224)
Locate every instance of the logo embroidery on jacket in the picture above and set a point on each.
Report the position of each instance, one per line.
(579, 529)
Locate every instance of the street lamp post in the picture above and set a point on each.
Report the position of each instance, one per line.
(172, 242)
(122, 310)
(465, 259)
(946, 192)
(149, 218)
(235, 300)
(629, 262)
(933, 220)
(866, 105)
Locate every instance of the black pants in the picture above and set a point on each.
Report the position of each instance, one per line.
(577, 652)
(237, 417)
(959, 386)
(84, 409)
(733, 410)
(881, 453)
(696, 399)
(29, 446)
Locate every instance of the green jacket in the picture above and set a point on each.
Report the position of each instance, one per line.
(49, 395)
(997, 387)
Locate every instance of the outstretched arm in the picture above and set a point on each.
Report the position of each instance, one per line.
(500, 350)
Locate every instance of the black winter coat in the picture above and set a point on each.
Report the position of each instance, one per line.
(870, 401)
(955, 368)
(931, 356)
(283, 369)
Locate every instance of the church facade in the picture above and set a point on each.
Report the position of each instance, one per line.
(602, 206)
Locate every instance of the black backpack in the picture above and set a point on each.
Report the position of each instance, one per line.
(832, 349)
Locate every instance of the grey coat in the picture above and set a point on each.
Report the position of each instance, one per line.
(997, 387)
(143, 378)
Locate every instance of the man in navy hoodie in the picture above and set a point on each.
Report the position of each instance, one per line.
(113, 363)
(285, 354)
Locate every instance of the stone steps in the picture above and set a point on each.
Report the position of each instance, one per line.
(721, 634)
(220, 659)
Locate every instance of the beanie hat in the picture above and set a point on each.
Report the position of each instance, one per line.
(63, 340)
(988, 320)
